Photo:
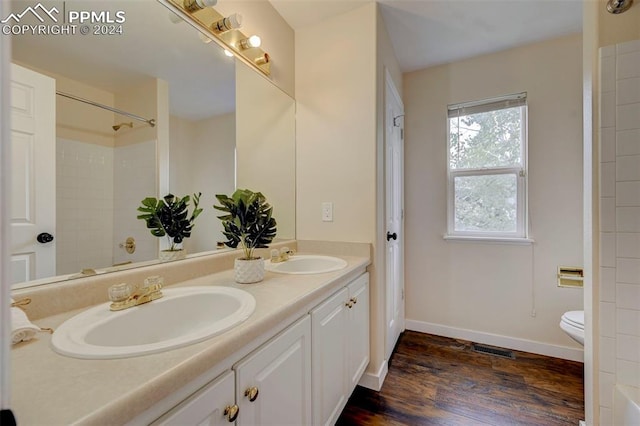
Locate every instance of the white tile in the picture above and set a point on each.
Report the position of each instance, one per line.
(607, 144)
(608, 354)
(608, 179)
(628, 245)
(628, 219)
(628, 270)
(628, 65)
(606, 416)
(628, 322)
(607, 284)
(607, 319)
(627, 372)
(628, 296)
(628, 194)
(628, 91)
(607, 382)
(608, 74)
(626, 47)
(628, 116)
(608, 249)
(628, 347)
(607, 214)
(608, 109)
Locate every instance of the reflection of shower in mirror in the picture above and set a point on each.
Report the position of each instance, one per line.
(118, 126)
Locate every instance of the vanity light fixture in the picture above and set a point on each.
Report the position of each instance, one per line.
(262, 60)
(195, 5)
(227, 53)
(248, 43)
(225, 31)
(231, 22)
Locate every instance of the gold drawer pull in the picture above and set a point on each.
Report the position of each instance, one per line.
(354, 300)
(252, 393)
(231, 412)
(349, 304)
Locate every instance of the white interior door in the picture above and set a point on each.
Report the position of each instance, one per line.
(33, 174)
(394, 205)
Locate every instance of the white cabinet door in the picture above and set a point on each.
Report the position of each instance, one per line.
(358, 330)
(329, 348)
(207, 407)
(279, 374)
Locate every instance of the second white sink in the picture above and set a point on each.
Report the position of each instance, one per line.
(307, 264)
(185, 315)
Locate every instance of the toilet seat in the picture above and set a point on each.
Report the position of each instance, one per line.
(572, 323)
(574, 318)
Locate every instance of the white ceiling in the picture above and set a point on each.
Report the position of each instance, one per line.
(425, 33)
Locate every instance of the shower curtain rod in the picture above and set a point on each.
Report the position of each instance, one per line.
(151, 122)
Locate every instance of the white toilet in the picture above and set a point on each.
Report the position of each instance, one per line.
(572, 323)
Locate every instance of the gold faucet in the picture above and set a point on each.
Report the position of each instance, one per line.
(125, 295)
(281, 256)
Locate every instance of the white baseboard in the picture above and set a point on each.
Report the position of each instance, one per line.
(523, 345)
(374, 381)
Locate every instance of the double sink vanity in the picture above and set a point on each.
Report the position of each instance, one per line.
(287, 350)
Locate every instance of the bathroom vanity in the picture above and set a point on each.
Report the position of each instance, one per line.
(295, 360)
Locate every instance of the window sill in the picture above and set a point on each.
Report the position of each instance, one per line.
(488, 240)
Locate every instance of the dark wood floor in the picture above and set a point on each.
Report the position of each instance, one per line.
(435, 380)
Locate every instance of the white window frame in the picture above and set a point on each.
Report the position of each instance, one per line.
(521, 234)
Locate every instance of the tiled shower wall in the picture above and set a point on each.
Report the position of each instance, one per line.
(84, 206)
(619, 221)
(134, 176)
(98, 191)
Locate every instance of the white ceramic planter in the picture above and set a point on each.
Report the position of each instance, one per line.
(168, 255)
(249, 271)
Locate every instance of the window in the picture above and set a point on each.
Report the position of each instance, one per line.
(486, 168)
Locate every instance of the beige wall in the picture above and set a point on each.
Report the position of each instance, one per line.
(335, 127)
(141, 100)
(493, 288)
(266, 146)
(203, 160)
(339, 80)
(262, 19)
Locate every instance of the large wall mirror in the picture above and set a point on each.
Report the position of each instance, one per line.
(218, 125)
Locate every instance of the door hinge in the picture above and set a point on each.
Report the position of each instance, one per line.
(401, 134)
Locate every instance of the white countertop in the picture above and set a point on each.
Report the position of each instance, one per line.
(51, 389)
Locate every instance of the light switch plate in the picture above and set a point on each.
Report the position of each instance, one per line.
(327, 211)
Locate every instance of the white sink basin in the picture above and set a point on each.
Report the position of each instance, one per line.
(183, 316)
(307, 264)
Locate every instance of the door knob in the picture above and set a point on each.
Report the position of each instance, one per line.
(44, 238)
(391, 236)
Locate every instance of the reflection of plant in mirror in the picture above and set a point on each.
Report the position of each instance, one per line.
(249, 223)
(170, 217)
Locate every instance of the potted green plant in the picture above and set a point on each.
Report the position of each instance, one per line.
(169, 217)
(249, 224)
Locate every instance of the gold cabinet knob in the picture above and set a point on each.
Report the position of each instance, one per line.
(231, 412)
(252, 393)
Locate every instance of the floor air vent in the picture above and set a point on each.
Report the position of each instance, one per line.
(492, 350)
